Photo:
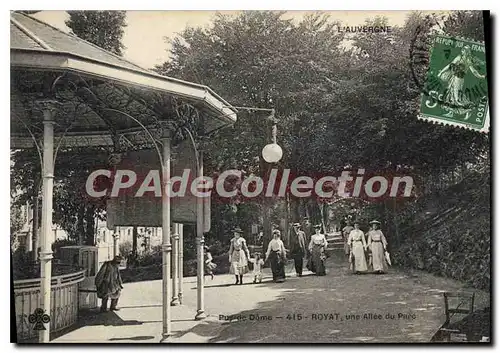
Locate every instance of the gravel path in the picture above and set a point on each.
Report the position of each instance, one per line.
(338, 308)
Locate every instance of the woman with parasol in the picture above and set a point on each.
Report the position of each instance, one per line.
(378, 246)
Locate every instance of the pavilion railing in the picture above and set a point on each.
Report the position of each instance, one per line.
(64, 303)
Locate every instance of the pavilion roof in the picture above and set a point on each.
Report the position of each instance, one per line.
(98, 87)
(30, 33)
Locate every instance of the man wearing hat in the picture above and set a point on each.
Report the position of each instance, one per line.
(109, 283)
(345, 234)
(299, 248)
(307, 228)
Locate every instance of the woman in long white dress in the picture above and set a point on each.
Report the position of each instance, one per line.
(238, 255)
(378, 245)
(357, 244)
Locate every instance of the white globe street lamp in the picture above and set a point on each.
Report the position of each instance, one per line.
(272, 153)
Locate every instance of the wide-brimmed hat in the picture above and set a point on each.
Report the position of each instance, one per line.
(237, 230)
(117, 258)
(296, 224)
(317, 226)
(374, 222)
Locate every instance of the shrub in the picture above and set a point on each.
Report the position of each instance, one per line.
(125, 248)
(148, 259)
(218, 248)
(59, 243)
(23, 267)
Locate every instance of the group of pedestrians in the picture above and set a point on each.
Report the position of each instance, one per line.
(366, 252)
(239, 258)
(310, 246)
(302, 246)
(315, 252)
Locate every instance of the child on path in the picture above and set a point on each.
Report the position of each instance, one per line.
(257, 267)
(209, 265)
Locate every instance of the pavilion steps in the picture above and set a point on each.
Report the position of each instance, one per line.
(335, 241)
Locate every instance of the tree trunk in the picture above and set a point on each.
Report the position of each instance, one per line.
(134, 242)
(89, 226)
(96, 226)
(307, 211)
(321, 207)
(396, 225)
(266, 208)
(287, 220)
(294, 209)
(80, 226)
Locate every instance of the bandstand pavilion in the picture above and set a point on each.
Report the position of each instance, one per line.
(66, 92)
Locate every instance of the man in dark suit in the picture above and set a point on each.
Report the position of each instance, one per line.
(307, 228)
(299, 247)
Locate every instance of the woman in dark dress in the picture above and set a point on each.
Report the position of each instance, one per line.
(317, 248)
(276, 255)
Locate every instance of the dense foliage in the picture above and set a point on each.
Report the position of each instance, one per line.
(448, 233)
(337, 105)
(102, 28)
(73, 210)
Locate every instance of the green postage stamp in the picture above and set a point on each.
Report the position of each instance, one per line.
(456, 89)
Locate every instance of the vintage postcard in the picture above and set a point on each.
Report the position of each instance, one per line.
(250, 176)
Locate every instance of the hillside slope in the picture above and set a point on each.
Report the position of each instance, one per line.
(448, 233)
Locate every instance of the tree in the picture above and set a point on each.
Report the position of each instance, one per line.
(466, 24)
(16, 222)
(259, 59)
(335, 108)
(74, 211)
(102, 28)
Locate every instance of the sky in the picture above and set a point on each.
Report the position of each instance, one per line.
(144, 36)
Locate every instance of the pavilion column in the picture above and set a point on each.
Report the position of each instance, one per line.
(175, 266)
(47, 197)
(116, 237)
(166, 243)
(200, 243)
(29, 234)
(181, 260)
